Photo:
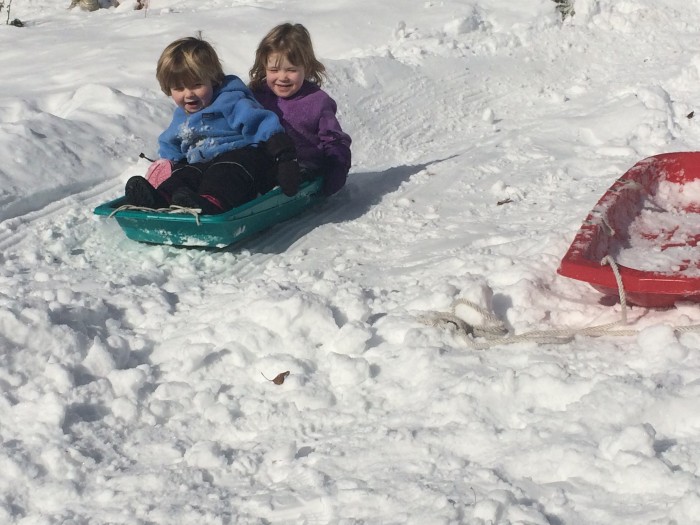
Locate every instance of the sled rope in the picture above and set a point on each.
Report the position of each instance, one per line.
(174, 208)
(620, 288)
(494, 331)
(623, 297)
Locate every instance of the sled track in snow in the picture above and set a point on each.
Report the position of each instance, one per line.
(16, 227)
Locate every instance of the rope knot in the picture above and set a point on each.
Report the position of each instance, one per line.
(174, 208)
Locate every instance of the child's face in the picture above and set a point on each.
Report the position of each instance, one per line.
(194, 97)
(283, 77)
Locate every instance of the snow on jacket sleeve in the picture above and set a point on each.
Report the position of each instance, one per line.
(169, 141)
(233, 120)
(254, 122)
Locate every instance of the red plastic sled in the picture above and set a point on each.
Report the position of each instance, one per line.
(648, 222)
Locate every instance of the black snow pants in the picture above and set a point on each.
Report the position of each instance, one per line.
(233, 178)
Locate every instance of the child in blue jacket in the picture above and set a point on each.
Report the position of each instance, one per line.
(225, 147)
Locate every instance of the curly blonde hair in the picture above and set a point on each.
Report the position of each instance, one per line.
(187, 61)
(292, 41)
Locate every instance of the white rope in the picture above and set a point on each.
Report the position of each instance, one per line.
(195, 212)
(689, 328)
(494, 331)
(620, 289)
(174, 208)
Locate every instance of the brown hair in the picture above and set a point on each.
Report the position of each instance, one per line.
(293, 42)
(187, 61)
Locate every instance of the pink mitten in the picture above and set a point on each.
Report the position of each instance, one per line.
(159, 171)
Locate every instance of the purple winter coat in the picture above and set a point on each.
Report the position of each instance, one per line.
(309, 119)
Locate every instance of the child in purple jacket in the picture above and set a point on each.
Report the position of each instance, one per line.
(286, 79)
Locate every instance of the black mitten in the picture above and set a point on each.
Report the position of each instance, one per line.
(334, 179)
(280, 147)
(288, 177)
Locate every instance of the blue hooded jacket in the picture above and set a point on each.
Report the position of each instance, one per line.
(233, 120)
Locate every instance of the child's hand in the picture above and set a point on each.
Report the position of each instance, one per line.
(281, 148)
(288, 177)
(335, 173)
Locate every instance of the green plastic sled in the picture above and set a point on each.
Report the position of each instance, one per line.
(215, 231)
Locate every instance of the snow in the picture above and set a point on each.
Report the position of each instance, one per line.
(663, 236)
(136, 379)
(663, 240)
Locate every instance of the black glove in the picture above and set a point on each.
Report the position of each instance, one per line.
(280, 147)
(284, 155)
(335, 173)
(288, 177)
(334, 180)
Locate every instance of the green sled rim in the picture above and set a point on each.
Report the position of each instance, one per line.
(212, 231)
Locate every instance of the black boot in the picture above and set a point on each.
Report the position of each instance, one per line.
(187, 198)
(139, 192)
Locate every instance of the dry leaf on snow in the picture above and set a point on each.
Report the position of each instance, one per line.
(279, 378)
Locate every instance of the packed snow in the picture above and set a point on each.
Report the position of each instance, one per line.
(663, 235)
(663, 240)
(139, 381)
